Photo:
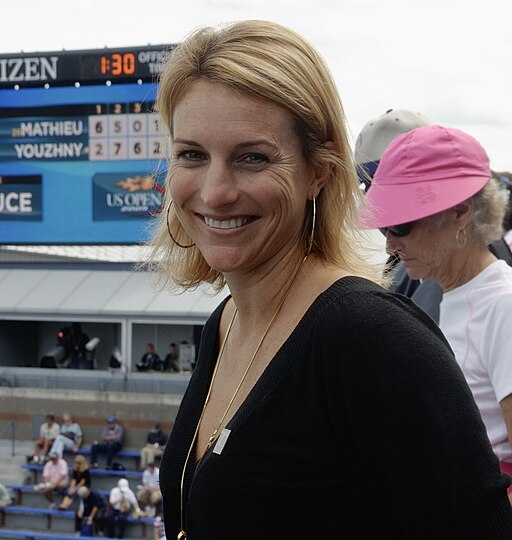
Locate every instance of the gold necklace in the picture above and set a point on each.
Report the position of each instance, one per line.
(182, 535)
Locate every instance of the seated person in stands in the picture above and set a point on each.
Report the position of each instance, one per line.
(81, 477)
(89, 511)
(149, 360)
(159, 527)
(149, 494)
(155, 445)
(70, 436)
(55, 477)
(122, 501)
(5, 496)
(111, 442)
(48, 432)
(171, 360)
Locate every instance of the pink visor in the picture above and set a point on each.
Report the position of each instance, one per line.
(423, 172)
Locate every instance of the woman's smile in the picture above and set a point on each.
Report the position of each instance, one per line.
(227, 223)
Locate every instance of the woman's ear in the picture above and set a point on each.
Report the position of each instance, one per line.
(463, 212)
(322, 174)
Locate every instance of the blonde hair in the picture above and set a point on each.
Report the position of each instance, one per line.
(82, 462)
(269, 62)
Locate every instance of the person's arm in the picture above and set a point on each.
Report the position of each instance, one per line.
(135, 504)
(506, 407)
(156, 528)
(62, 478)
(119, 433)
(94, 511)
(495, 350)
(105, 434)
(114, 496)
(46, 476)
(73, 486)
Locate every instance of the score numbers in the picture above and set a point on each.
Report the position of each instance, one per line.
(124, 132)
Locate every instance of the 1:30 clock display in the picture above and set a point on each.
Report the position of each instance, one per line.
(117, 64)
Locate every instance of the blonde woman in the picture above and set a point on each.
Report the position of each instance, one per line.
(81, 476)
(320, 405)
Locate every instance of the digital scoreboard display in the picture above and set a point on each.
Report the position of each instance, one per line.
(81, 157)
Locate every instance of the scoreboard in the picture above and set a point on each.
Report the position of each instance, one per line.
(82, 160)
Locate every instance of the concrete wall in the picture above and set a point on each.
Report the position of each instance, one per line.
(136, 412)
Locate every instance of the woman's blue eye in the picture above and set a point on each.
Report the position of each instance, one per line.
(255, 158)
(190, 154)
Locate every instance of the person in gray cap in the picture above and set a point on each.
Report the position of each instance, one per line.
(371, 142)
(111, 442)
(376, 135)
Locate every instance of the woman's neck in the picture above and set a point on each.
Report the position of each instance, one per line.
(466, 266)
(258, 295)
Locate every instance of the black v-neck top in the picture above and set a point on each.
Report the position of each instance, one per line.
(362, 426)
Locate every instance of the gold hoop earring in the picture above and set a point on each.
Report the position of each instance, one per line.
(313, 223)
(169, 230)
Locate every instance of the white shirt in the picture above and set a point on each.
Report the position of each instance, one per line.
(116, 495)
(476, 320)
(151, 479)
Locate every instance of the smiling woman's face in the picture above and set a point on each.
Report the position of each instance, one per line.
(238, 178)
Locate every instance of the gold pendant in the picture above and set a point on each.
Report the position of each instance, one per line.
(182, 536)
(211, 440)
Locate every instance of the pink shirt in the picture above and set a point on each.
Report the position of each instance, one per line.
(53, 472)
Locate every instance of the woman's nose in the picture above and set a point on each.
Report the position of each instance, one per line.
(393, 243)
(219, 186)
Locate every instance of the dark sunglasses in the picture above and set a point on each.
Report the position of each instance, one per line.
(398, 230)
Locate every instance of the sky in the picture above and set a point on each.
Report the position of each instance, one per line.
(449, 59)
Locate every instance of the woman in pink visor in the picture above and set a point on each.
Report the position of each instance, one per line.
(434, 198)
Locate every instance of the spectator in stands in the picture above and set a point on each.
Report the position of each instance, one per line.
(155, 445)
(111, 442)
(90, 511)
(171, 359)
(55, 477)
(81, 476)
(150, 359)
(122, 501)
(159, 528)
(149, 494)
(435, 198)
(70, 436)
(48, 432)
(5, 496)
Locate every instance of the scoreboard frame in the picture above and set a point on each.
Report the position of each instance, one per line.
(81, 157)
(89, 66)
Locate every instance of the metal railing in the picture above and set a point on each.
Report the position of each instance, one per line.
(93, 380)
(11, 424)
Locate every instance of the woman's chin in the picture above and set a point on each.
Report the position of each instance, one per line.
(224, 261)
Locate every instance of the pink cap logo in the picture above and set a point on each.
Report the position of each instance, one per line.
(425, 194)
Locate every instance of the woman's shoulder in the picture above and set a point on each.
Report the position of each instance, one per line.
(358, 299)
(355, 308)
